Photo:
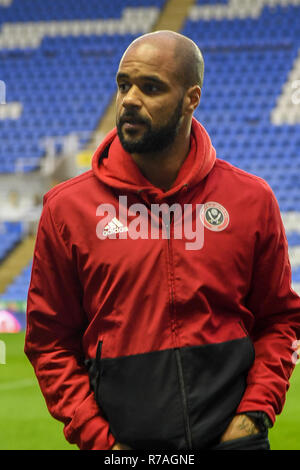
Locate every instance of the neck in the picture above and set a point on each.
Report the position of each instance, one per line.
(162, 168)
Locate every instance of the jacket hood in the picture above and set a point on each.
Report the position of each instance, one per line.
(115, 167)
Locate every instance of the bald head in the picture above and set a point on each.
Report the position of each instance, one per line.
(186, 56)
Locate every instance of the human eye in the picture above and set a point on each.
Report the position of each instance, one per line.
(123, 87)
(151, 88)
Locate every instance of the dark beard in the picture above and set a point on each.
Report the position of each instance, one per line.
(153, 140)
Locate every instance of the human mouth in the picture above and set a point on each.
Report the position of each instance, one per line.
(131, 123)
(132, 126)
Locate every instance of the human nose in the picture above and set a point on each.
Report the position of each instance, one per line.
(132, 98)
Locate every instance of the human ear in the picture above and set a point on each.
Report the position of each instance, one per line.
(193, 96)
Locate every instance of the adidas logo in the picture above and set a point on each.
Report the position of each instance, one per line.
(114, 226)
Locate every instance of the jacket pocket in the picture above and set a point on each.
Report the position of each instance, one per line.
(140, 397)
(215, 376)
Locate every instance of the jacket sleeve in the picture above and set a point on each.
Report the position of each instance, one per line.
(276, 308)
(55, 325)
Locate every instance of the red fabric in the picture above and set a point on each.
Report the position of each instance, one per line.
(144, 295)
(122, 173)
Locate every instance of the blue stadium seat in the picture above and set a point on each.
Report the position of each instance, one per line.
(11, 233)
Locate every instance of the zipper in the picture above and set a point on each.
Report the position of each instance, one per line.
(171, 277)
(243, 328)
(188, 434)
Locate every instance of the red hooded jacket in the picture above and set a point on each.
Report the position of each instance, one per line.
(142, 340)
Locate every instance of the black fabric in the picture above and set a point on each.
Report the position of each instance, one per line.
(140, 398)
(254, 442)
(150, 401)
(215, 377)
(94, 368)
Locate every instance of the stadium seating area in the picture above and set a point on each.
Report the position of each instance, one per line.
(60, 10)
(11, 233)
(17, 291)
(60, 73)
(58, 60)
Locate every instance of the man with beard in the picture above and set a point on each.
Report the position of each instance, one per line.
(150, 101)
(138, 342)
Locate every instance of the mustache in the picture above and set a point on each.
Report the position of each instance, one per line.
(133, 118)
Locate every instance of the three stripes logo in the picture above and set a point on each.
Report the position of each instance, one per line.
(113, 227)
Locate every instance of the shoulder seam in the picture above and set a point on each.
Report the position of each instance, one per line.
(244, 173)
(66, 184)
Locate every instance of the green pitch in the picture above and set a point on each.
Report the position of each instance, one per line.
(27, 425)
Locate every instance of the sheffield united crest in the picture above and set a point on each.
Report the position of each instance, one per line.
(214, 216)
